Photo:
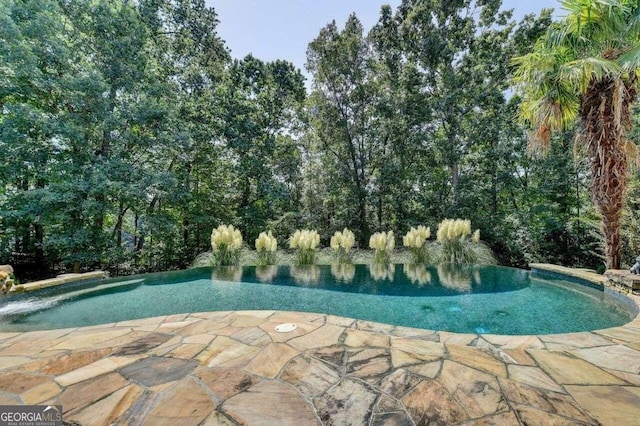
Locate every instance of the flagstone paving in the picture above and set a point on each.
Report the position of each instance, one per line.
(230, 368)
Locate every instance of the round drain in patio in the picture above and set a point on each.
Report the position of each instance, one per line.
(286, 327)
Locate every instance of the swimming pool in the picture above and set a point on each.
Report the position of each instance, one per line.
(471, 299)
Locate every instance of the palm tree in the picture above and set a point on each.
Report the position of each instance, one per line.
(585, 70)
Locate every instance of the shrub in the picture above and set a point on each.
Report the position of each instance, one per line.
(305, 241)
(226, 242)
(342, 243)
(266, 246)
(458, 245)
(383, 244)
(416, 241)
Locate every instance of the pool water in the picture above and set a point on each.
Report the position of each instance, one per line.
(471, 299)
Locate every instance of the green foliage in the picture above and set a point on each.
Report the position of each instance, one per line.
(265, 258)
(131, 132)
(226, 256)
(584, 70)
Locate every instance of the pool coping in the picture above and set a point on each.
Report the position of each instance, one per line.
(58, 281)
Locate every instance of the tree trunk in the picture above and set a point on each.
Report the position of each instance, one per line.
(604, 124)
(455, 182)
(117, 229)
(362, 213)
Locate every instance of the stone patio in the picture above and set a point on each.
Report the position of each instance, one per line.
(226, 368)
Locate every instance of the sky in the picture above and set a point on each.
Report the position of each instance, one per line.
(282, 29)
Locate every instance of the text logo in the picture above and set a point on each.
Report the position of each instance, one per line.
(30, 415)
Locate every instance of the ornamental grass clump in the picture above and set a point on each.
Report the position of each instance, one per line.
(305, 241)
(416, 241)
(266, 246)
(226, 242)
(383, 244)
(459, 245)
(342, 243)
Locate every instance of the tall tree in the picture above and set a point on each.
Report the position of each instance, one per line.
(262, 102)
(40, 79)
(194, 193)
(585, 69)
(343, 115)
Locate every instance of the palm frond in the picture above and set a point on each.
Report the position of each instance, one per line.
(581, 71)
(594, 22)
(629, 61)
(634, 22)
(631, 149)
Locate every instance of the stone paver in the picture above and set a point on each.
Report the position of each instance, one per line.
(399, 382)
(357, 338)
(271, 359)
(478, 392)
(430, 403)
(41, 393)
(323, 336)
(87, 392)
(18, 383)
(479, 359)
(186, 403)
(270, 403)
(414, 351)
(226, 368)
(532, 376)
(10, 362)
(350, 402)
(95, 369)
(312, 377)
(368, 364)
(523, 397)
(108, 409)
(156, 370)
(225, 382)
(567, 369)
(617, 357)
(610, 405)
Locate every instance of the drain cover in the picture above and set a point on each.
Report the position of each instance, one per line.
(286, 327)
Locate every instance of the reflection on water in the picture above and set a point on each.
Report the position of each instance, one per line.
(227, 273)
(417, 274)
(455, 277)
(343, 272)
(305, 274)
(407, 280)
(266, 274)
(382, 272)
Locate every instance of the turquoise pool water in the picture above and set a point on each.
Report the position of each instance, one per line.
(475, 299)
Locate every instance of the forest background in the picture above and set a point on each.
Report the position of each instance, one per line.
(128, 133)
